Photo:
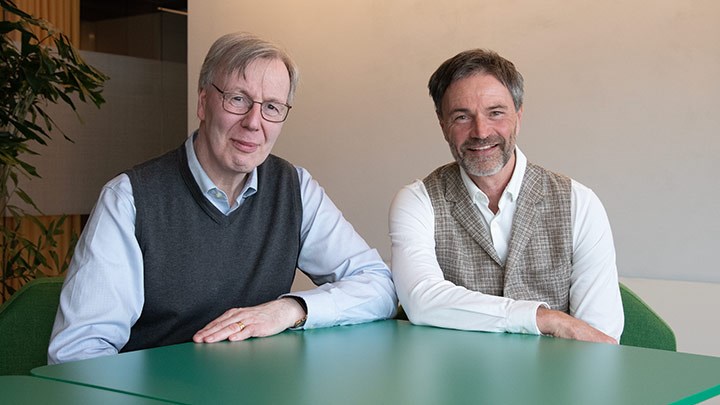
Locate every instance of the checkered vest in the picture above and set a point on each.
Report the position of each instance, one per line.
(539, 258)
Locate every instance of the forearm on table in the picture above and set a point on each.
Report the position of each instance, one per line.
(562, 325)
(366, 296)
(432, 300)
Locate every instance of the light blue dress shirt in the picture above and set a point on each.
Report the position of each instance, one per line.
(103, 294)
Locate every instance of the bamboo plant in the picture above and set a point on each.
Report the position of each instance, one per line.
(38, 66)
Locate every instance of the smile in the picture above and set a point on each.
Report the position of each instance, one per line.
(479, 148)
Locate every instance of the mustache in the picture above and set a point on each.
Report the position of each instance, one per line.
(479, 143)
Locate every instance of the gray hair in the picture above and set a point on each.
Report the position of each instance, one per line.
(232, 53)
(472, 62)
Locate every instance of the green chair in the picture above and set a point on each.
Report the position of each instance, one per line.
(26, 321)
(643, 327)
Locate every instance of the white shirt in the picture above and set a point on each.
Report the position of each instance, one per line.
(103, 294)
(431, 300)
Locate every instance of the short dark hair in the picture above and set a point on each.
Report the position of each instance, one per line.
(472, 62)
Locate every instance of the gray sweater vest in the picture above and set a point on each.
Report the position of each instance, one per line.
(198, 262)
(539, 258)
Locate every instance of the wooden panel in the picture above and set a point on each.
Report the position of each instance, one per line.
(65, 238)
(62, 14)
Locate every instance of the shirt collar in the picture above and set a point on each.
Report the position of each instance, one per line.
(513, 188)
(201, 178)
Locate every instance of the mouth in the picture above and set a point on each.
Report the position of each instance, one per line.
(243, 146)
(481, 148)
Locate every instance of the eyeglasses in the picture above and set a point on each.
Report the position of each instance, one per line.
(240, 103)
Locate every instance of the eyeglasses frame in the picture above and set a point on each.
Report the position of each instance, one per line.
(225, 94)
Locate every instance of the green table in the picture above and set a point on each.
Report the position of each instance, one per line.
(19, 389)
(394, 362)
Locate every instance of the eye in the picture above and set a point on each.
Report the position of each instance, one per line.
(271, 107)
(496, 114)
(460, 118)
(274, 109)
(239, 98)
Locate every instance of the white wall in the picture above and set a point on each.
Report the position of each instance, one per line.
(620, 95)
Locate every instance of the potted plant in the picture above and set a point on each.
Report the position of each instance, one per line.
(38, 65)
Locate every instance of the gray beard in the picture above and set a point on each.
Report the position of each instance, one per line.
(476, 166)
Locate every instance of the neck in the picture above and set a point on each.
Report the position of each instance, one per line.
(494, 186)
(230, 183)
(232, 187)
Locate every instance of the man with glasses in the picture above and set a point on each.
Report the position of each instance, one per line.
(492, 242)
(202, 244)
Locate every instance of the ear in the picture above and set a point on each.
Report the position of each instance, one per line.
(202, 99)
(519, 118)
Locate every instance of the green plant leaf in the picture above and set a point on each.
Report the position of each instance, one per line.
(10, 6)
(26, 198)
(42, 67)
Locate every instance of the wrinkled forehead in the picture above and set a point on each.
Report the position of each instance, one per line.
(268, 76)
(471, 90)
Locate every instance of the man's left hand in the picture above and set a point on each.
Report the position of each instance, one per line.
(262, 320)
(562, 325)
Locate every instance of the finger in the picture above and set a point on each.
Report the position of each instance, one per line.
(232, 331)
(223, 331)
(243, 333)
(226, 320)
(208, 329)
(230, 313)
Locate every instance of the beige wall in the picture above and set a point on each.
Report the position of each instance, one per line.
(143, 117)
(621, 95)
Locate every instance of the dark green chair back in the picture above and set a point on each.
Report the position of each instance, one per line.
(643, 327)
(26, 321)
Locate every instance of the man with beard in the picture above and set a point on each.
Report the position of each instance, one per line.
(492, 242)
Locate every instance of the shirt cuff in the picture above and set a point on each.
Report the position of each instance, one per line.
(321, 310)
(522, 317)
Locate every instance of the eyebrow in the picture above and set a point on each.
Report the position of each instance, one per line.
(497, 107)
(459, 110)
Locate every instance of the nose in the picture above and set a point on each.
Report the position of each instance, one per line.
(481, 128)
(253, 118)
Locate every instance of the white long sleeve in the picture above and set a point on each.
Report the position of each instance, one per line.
(429, 299)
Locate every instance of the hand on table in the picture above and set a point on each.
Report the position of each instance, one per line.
(562, 325)
(262, 320)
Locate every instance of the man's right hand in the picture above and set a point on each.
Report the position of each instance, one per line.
(562, 325)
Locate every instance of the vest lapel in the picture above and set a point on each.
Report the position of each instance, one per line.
(526, 216)
(466, 213)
